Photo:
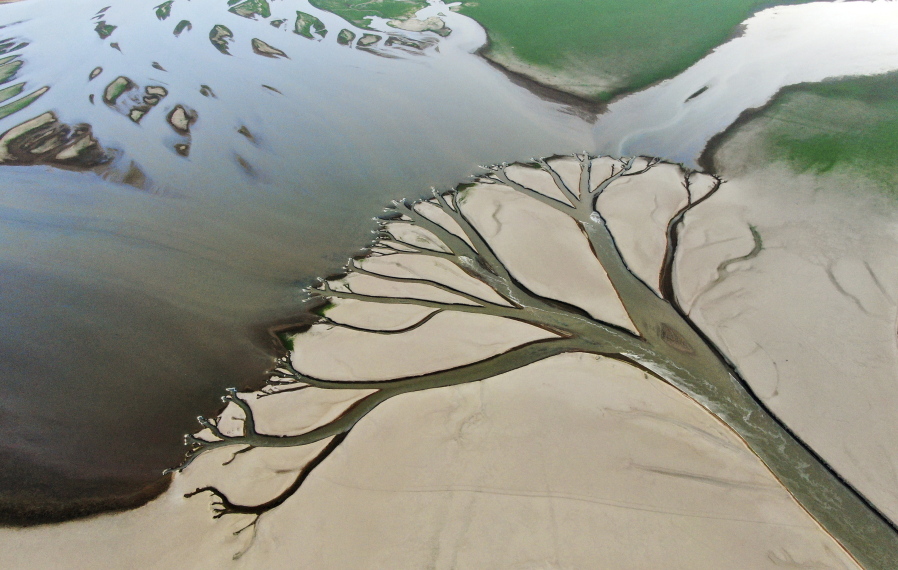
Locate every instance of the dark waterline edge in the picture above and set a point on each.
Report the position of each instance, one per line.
(24, 514)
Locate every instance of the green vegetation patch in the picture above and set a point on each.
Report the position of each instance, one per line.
(251, 8)
(307, 25)
(115, 89)
(220, 36)
(20, 104)
(7, 46)
(323, 309)
(286, 340)
(163, 10)
(844, 123)
(182, 25)
(10, 92)
(8, 67)
(601, 49)
(356, 11)
(345, 37)
(104, 30)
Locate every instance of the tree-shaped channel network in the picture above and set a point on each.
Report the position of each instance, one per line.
(462, 263)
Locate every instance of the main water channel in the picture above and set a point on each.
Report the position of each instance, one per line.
(126, 308)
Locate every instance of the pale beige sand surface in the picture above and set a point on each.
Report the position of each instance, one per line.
(640, 232)
(811, 321)
(574, 462)
(447, 340)
(545, 250)
(432, 269)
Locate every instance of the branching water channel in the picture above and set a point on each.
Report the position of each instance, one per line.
(231, 150)
(659, 338)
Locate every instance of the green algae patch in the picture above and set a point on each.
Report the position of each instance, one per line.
(163, 10)
(599, 50)
(323, 309)
(220, 36)
(368, 40)
(308, 26)
(182, 26)
(104, 30)
(357, 12)
(844, 126)
(251, 8)
(8, 46)
(846, 123)
(18, 105)
(345, 37)
(266, 50)
(10, 92)
(8, 67)
(115, 89)
(286, 340)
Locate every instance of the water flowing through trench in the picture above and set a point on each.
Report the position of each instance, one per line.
(136, 304)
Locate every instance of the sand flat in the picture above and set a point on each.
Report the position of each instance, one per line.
(640, 232)
(448, 339)
(810, 322)
(544, 249)
(541, 467)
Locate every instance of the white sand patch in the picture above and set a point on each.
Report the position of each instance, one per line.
(436, 214)
(433, 269)
(810, 322)
(433, 24)
(568, 169)
(292, 412)
(640, 231)
(415, 236)
(447, 340)
(602, 168)
(537, 179)
(544, 249)
(376, 287)
(700, 184)
(375, 316)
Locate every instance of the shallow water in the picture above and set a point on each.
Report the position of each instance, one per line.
(126, 310)
(780, 46)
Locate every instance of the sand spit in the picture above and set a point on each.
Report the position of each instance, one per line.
(469, 433)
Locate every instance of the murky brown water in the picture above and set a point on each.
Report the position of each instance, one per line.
(126, 309)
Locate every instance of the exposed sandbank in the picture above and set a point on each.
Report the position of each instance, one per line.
(572, 460)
